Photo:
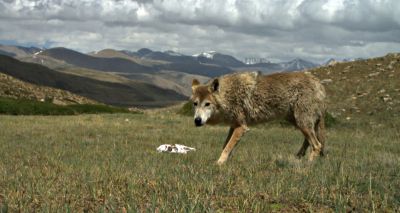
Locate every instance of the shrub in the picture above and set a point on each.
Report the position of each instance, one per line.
(28, 107)
(330, 121)
(186, 109)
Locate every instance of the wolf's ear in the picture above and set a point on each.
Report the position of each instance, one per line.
(195, 83)
(214, 86)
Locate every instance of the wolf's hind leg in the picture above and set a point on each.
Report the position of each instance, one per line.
(306, 121)
(303, 149)
(311, 137)
(320, 131)
(234, 139)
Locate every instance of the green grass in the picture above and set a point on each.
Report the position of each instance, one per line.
(109, 163)
(28, 107)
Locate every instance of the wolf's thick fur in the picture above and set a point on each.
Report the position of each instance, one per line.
(242, 99)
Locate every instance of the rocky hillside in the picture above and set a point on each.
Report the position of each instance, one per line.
(366, 87)
(11, 87)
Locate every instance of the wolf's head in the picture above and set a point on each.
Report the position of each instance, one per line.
(204, 104)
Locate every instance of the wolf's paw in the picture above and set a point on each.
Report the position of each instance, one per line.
(313, 155)
(300, 155)
(221, 162)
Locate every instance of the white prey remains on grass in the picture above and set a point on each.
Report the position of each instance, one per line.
(175, 148)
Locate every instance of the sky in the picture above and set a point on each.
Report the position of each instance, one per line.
(277, 30)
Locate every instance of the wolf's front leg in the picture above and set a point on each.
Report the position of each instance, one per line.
(234, 139)
(231, 129)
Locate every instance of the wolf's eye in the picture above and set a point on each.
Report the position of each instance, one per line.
(195, 103)
(207, 104)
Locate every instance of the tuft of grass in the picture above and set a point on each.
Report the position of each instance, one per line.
(28, 107)
(186, 109)
(330, 121)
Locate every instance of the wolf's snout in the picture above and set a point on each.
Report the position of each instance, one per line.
(197, 121)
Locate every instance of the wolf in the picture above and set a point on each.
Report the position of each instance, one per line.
(247, 98)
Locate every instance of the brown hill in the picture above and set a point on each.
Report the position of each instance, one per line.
(11, 87)
(135, 94)
(363, 88)
(180, 82)
(177, 81)
(17, 51)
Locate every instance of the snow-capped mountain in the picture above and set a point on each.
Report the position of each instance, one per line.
(173, 53)
(297, 64)
(329, 61)
(213, 57)
(208, 54)
(250, 61)
(332, 61)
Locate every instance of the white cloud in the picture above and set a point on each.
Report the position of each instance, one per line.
(312, 29)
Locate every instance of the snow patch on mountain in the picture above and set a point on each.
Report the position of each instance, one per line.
(208, 54)
(37, 53)
(173, 53)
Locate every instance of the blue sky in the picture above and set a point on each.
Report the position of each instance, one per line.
(278, 30)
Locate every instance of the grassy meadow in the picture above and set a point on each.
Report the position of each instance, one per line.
(108, 163)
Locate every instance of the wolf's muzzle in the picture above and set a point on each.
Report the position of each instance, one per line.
(197, 121)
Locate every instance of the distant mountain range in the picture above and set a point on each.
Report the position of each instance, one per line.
(143, 77)
(144, 60)
(114, 64)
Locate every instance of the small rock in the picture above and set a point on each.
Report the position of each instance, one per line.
(362, 94)
(332, 63)
(58, 102)
(355, 109)
(373, 74)
(325, 81)
(386, 99)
